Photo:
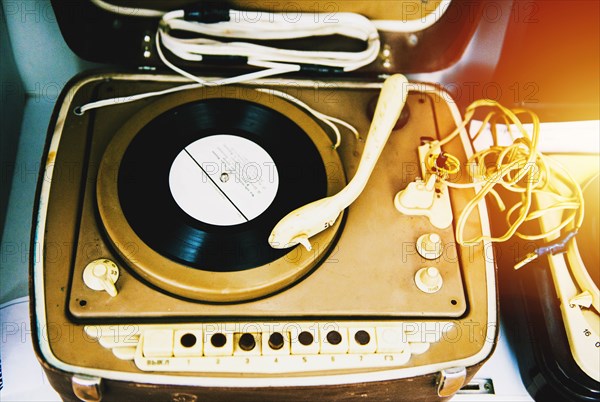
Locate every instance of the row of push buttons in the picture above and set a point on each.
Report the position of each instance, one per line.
(294, 347)
(299, 341)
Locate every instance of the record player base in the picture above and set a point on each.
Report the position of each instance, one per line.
(155, 290)
(417, 389)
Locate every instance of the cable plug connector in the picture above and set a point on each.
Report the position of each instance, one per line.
(206, 12)
(528, 258)
(555, 247)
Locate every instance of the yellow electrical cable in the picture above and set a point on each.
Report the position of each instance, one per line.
(451, 164)
(518, 167)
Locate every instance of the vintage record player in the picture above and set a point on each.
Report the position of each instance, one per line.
(154, 276)
(554, 322)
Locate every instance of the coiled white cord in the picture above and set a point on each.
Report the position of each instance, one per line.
(270, 26)
(266, 26)
(245, 27)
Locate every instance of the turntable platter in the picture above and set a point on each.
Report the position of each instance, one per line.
(200, 182)
(364, 269)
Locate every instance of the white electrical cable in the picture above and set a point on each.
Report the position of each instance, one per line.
(132, 98)
(130, 11)
(422, 22)
(262, 26)
(270, 26)
(265, 26)
(271, 69)
(244, 28)
(326, 119)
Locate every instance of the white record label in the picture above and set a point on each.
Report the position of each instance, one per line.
(223, 180)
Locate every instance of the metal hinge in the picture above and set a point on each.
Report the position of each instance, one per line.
(88, 389)
(451, 380)
(478, 386)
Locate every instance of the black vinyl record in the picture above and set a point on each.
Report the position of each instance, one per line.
(154, 214)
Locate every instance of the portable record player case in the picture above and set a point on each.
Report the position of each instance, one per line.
(556, 356)
(66, 326)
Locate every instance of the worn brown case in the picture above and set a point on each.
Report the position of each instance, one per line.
(67, 352)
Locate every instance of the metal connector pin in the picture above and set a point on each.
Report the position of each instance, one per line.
(528, 258)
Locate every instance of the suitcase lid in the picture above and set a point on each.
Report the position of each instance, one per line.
(417, 36)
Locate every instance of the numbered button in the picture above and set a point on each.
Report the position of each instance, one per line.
(390, 340)
(275, 343)
(218, 344)
(305, 341)
(334, 339)
(361, 340)
(158, 343)
(247, 343)
(187, 343)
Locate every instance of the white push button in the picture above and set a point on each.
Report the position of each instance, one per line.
(158, 343)
(188, 342)
(247, 343)
(390, 340)
(218, 344)
(334, 339)
(362, 340)
(275, 343)
(305, 340)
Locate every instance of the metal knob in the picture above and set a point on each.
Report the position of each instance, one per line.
(429, 246)
(429, 279)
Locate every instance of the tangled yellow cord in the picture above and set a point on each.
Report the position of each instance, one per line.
(518, 167)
